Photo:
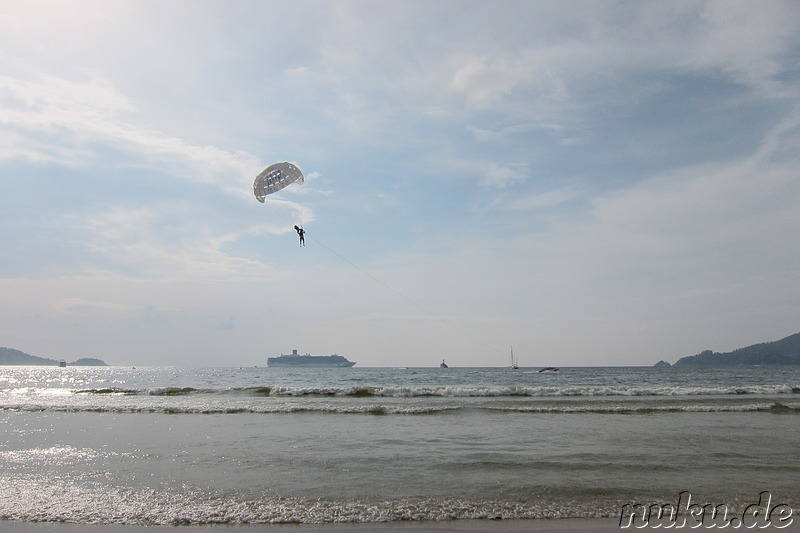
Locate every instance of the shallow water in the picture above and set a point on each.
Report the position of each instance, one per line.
(251, 445)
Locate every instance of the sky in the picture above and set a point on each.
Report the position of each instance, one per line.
(591, 182)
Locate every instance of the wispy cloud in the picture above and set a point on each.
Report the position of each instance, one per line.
(502, 176)
(58, 121)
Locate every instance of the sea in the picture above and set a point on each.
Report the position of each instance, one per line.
(176, 446)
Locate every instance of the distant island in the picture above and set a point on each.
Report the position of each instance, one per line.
(10, 356)
(783, 352)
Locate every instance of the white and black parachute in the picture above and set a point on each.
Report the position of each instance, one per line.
(274, 178)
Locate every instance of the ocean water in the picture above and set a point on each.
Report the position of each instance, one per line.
(173, 445)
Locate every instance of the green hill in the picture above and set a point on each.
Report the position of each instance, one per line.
(783, 352)
(10, 356)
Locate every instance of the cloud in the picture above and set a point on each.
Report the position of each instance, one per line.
(228, 324)
(724, 227)
(545, 200)
(746, 40)
(705, 251)
(484, 82)
(150, 315)
(57, 120)
(80, 305)
(498, 176)
(298, 72)
(162, 241)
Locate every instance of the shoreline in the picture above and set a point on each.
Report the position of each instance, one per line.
(532, 525)
(535, 525)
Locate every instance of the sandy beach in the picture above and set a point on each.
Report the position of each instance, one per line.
(505, 526)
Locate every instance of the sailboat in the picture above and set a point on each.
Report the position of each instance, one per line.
(514, 364)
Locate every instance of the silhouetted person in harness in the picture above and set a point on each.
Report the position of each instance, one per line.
(301, 233)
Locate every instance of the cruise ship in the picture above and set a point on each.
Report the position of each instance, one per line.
(296, 360)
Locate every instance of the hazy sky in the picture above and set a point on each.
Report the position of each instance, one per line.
(594, 183)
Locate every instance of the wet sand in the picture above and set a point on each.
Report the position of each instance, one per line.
(602, 525)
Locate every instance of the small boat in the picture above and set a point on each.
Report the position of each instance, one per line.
(514, 364)
(549, 369)
(62, 364)
(443, 365)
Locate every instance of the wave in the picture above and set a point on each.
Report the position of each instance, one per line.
(405, 409)
(453, 391)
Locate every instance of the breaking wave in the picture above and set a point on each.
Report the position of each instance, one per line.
(452, 392)
(622, 408)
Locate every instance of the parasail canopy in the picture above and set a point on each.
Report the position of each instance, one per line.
(274, 178)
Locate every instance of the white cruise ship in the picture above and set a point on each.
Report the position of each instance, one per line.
(296, 360)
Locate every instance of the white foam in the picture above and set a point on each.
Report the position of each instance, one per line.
(43, 501)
